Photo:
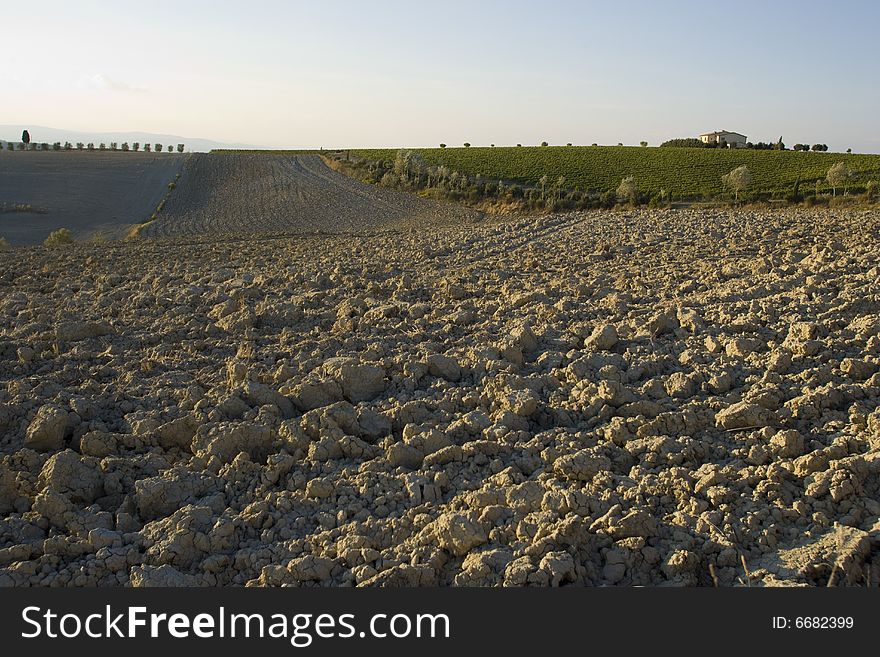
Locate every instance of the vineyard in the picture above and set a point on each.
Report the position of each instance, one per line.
(685, 173)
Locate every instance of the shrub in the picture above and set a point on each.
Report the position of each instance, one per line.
(467, 144)
(91, 146)
(839, 174)
(79, 145)
(125, 146)
(543, 180)
(442, 145)
(68, 146)
(44, 146)
(643, 144)
(180, 148)
(871, 190)
(795, 195)
(170, 148)
(608, 199)
(689, 142)
(102, 147)
(158, 148)
(627, 190)
(114, 146)
(136, 146)
(56, 146)
(59, 237)
(147, 148)
(737, 180)
(544, 143)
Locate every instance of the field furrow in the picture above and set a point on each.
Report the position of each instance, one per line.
(248, 194)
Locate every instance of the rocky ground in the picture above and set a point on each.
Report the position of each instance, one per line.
(631, 398)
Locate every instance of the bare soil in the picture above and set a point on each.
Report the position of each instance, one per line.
(88, 193)
(684, 397)
(258, 194)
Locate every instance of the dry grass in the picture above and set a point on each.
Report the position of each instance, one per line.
(60, 237)
(134, 232)
(20, 207)
(745, 566)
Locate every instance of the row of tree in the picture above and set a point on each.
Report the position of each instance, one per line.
(780, 146)
(114, 146)
(409, 171)
(839, 175)
(693, 142)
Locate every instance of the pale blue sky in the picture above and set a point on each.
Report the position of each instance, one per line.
(397, 73)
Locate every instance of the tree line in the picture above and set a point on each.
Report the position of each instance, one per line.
(409, 171)
(838, 175)
(80, 146)
(779, 145)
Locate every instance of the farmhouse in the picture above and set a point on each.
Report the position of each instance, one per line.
(724, 138)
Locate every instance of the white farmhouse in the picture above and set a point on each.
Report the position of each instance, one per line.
(724, 138)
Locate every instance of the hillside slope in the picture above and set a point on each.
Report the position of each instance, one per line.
(683, 172)
(86, 192)
(242, 194)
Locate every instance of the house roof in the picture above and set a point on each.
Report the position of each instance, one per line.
(722, 132)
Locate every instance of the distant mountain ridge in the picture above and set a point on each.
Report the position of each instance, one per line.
(40, 134)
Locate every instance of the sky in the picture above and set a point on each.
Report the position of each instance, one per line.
(340, 73)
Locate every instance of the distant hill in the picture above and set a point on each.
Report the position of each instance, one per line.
(41, 134)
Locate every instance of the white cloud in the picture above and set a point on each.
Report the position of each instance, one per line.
(102, 81)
